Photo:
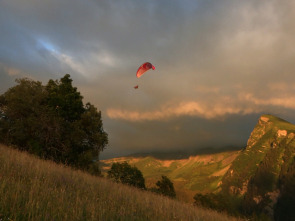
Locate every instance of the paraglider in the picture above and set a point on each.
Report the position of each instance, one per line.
(142, 69)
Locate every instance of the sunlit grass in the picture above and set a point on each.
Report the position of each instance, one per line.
(33, 189)
(196, 174)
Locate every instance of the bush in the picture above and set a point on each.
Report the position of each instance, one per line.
(126, 174)
(165, 187)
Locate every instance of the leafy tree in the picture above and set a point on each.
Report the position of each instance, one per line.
(52, 122)
(165, 187)
(23, 109)
(125, 173)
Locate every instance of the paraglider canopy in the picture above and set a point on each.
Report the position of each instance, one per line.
(143, 68)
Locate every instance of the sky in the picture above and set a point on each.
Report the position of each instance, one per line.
(220, 64)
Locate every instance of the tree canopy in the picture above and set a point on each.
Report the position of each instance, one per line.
(52, 122)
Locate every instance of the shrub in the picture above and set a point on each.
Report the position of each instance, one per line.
(126, 174)
(165, 187)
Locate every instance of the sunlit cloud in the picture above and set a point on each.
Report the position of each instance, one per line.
(283, 102)
(244, 103)
(190, 108)
(12, 71)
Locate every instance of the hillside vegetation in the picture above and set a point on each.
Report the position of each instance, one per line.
(196, 174)
(34, 189)
(263, 174)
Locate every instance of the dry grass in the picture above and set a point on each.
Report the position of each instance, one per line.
(34, 189)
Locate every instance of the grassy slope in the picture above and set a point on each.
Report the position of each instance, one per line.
(262, 143)
(33, 189)
(200, 173)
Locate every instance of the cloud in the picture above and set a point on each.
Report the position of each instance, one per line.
(279, 101)
(242, 104)
(12, 71)
(214, 60)
(190, 108)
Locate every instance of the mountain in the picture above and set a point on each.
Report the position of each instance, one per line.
(263, 174)
(268, 146)
(199, 173)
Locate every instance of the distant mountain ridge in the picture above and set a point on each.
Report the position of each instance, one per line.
(178, 155)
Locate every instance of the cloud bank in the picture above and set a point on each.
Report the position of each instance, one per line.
(217, 63)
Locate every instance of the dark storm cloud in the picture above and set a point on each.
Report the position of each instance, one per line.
(218, 63)
(185, 134)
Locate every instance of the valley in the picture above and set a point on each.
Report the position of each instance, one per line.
(196, 174)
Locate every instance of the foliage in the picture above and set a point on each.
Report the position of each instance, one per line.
(200, 173)
(65, 99)
(165, 187)
(126, 174)
(219, 202)
(52, 122)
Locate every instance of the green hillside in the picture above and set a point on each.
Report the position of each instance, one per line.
(201, 173)
(271, 138)
(34, 189)
(263, 174)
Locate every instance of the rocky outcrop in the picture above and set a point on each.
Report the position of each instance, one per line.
(282, 133)
(259, 130)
